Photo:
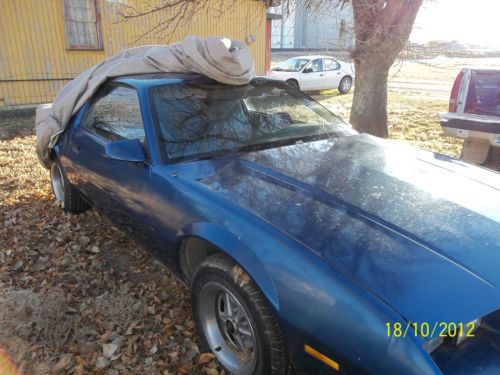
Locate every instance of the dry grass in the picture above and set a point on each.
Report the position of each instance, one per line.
(442, 70)
(411, 120)
(40, 319)
(118, 309)
(22, 177)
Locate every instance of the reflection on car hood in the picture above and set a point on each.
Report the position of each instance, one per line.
(419, 230)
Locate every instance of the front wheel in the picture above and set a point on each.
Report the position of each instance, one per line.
(235, 321)
(293, 84)
(345, 85)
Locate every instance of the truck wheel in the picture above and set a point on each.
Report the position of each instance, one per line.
(71, 200)
(345, 85)
(234, 320)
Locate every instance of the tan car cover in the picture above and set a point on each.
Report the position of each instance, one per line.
(218, 58)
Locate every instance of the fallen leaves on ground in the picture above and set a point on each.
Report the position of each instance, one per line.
(77, 295)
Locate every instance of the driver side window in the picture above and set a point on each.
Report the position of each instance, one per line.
(115, 114)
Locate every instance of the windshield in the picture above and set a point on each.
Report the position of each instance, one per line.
(291, 65)
(198, 120)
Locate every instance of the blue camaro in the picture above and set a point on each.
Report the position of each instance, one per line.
(307, 247)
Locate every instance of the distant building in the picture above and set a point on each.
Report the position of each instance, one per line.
(302, 28)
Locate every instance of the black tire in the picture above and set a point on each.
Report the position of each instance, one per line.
(268, 355)
(293, 84)
(345, 85)
(64, 192)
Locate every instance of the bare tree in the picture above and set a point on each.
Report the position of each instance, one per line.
(381, 29)
(171, 14)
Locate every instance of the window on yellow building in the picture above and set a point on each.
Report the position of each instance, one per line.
(81, 21)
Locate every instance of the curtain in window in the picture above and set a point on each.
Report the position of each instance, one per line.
(81, 24)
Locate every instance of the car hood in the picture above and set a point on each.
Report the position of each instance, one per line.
(419, 230)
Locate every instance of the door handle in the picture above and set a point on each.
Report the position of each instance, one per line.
(321, 75)
(338, 73)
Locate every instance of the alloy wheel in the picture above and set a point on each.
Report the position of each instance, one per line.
(57, 182)
(346, 85)
(228, 329)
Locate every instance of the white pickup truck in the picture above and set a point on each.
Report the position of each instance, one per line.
(474, 113)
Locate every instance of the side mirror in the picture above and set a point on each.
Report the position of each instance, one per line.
(126, 150)
(307, 70)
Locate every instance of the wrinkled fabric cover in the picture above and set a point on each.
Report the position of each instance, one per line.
(218, 58)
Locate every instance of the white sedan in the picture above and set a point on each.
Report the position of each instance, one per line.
(309, 73)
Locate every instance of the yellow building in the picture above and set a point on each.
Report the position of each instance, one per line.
(45, 43)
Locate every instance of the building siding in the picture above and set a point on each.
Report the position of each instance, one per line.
(35, 63)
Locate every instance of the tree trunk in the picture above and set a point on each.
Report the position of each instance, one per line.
(369, 104)
(493, 160)
(382, 28)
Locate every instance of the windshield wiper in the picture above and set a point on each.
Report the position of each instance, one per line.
(285, 142)
(207, 156)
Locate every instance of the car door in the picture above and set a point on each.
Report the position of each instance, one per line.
(332, 74)
(118, 188)
(312, 76)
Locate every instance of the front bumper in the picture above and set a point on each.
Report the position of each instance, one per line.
(478, 355)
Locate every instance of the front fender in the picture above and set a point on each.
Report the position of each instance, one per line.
(236, 248)
(313, 303)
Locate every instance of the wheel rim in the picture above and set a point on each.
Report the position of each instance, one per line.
(227, 329)
(346, 84)
(57, 182)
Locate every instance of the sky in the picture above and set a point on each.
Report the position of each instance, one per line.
(467, 21)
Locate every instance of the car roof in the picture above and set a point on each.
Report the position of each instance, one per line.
(157, 79)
